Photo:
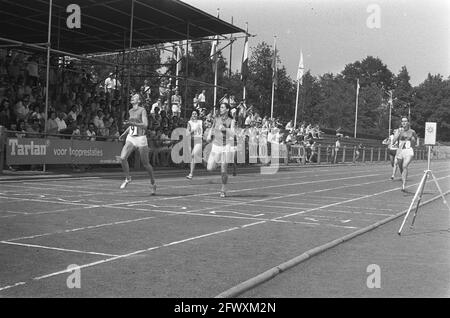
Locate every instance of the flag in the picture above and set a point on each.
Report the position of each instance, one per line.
(301, 69)
(357, 86)
(244, 69)
(274, 67)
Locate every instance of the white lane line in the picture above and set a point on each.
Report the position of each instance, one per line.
(138, 252)
(241, 190)
(239, 213)
(46, 201)
(12, 286)
(57, 211)
(352, 200)
(79, 229)
(356, 212)
(56, 248)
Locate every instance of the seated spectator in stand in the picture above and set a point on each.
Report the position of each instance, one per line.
(6, 114)
(233, 103)
(202, 99)
(157, 105)
(73, 112)
(62, 125)
(91, 133)
(165, 106)
(52, 125)
(21, 129)
(34, 130)
(99, 123)
(290, 126)
(113, 130)
(176, 104)
(21, 109)
(164, 120)
(196, 103)
(146, 91)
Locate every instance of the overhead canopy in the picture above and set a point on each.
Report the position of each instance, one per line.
(106, 24)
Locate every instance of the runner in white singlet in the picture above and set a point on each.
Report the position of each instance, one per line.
(195, 131)
(406, 139)
(222, 136)
(136, 139)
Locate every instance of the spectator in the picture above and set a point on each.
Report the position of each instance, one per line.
(146, 91)
(21, 129)
(21, 109)
(99, 123)
(62, 126)
(6, 115)
(156, 105)
(196, 103)
(202, 99)
(337, 146)
(34, 130)
(176, 104)
(111, 83)
(91, 133)
(52, 126)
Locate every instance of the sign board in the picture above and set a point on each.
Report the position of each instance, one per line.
(430, 134)
(27, 151)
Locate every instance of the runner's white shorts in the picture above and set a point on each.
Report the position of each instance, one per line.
(222, 154)
(138, 141)
(405, 153)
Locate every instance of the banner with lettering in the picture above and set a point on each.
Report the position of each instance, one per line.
(25, 151)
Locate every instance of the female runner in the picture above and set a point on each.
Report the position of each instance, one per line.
(195, 130)
(222, 136)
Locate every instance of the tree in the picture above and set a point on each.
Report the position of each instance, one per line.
(369, 71)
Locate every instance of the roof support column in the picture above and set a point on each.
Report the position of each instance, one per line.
(126, 98)
(187, 72)
(49, 46)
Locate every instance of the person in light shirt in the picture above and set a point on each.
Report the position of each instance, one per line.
(136, 138)
(195, 131)
(407, 139)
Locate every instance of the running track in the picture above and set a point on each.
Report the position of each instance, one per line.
(186, 241)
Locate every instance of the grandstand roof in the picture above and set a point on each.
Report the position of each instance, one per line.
(105, 24)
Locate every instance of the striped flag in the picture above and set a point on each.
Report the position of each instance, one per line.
(301, 69)
(244, 69)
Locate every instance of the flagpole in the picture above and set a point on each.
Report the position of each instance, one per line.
(296, 104)
(357, 99)
(244, 95)
(390, 112)
(299, 79)
(231, 53)
(274, 73)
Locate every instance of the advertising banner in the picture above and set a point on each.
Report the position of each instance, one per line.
(27, 151)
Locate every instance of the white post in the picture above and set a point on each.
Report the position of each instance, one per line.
(273, 73)
(48, 62)
(357, 99)
(296, 105)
